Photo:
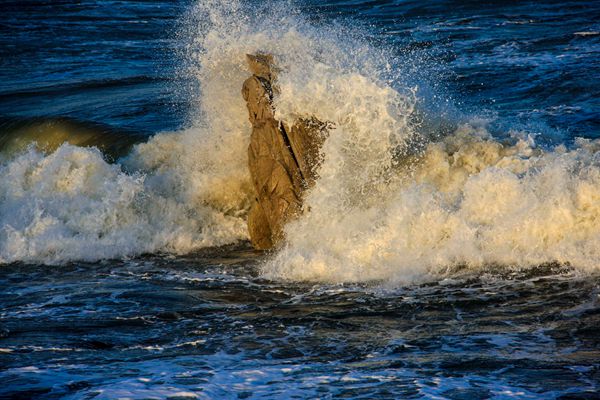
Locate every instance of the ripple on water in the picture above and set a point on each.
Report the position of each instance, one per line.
(198, 327)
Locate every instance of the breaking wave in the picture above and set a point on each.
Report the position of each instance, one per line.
(390, 203)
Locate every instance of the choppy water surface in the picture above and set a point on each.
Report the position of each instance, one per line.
(207, 325)
(473, 274)
(103, 61)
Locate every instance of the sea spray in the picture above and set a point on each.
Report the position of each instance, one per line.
(383, 208)
(469, 201)
(188, 189)
(73, 205)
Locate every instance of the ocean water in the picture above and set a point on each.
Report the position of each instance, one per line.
(450, 248)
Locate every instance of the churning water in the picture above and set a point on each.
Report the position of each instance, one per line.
(451, 247)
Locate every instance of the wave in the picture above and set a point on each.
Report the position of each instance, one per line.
(78, 86)
(47, 134)
(468, 201)
(391, 203)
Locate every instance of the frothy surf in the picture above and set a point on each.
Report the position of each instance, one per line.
(389, 204)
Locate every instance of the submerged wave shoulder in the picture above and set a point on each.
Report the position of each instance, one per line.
(47, 134)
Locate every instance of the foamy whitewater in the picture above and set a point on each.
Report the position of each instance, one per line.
(391, 203)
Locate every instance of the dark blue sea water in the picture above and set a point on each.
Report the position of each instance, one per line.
(209, 324)
(116, 62)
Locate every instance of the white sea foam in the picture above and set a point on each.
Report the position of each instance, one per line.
(72, 205)
(469, 200)
(378, 211)
(587, 33)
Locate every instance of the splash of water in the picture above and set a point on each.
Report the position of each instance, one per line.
(468, 201)
(382, 209)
